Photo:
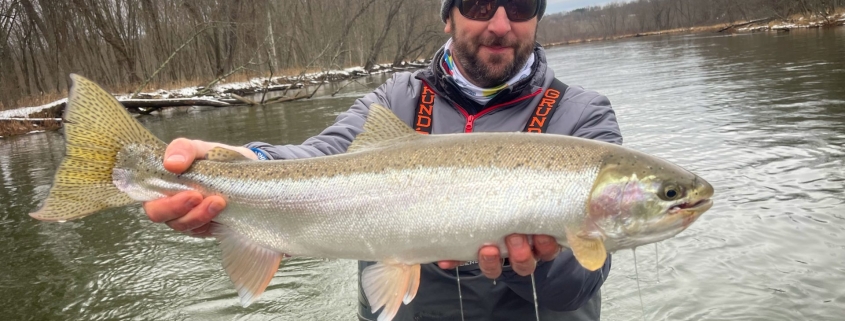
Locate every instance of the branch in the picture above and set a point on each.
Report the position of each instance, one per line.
(242, 67)
(270, 78)
(347, 84)
(173, 54)
(305, 70)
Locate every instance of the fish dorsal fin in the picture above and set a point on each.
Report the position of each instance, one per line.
(590, 252)
(388, 285)
(220, 154)
(249, 265)
(382, 126)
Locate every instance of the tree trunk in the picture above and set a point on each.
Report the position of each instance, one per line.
(377, 46)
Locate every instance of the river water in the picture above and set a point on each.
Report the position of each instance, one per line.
(761, 116)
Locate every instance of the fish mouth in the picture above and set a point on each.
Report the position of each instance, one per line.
(687, 213)
(692, 208)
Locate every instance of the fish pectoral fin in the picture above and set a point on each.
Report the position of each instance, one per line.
(590, 252)
(220, 154)
(249, 265)
(389, 285)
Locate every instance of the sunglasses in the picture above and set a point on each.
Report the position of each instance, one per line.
(483, 10)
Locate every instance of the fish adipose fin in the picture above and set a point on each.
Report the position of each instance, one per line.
(96, 127)
(590, 252)
(382, 128)
(220, 154)
(249, 265)
(389, 285)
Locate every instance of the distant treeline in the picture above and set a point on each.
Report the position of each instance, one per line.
(121, 43)
(643, 16)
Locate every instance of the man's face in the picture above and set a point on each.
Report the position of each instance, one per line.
(490, 52)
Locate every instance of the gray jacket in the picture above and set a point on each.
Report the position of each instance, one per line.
(565, 290)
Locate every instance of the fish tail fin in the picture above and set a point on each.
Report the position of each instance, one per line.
(96, 127)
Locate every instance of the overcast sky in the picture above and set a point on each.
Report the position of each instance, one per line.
(555, 6)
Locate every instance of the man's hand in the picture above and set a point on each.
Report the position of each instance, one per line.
(188, 212)
(523, 257)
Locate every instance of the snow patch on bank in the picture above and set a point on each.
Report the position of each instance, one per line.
(223, 90)
(24, 112)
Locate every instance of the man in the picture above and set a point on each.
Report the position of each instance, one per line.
(490, 76)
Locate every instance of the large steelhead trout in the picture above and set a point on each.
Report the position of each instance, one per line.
(395, 197)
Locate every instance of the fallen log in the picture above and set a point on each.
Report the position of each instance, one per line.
(747, 23)
(244, 100)
(29, 119)
(283, 99)
(173, 102)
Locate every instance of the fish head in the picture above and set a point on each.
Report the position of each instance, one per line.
(639, 199)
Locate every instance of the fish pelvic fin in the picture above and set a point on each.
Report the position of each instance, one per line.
(249, 265)
(388, 285)
(96, 127)
(590, 252)
(381, 128)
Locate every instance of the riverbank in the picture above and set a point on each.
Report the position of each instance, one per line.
(34, 119)
(768, 24)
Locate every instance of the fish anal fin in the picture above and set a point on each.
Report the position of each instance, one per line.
(590, 252)
(381, 127)
(389, 284)
(415, 284)
(220, 154)
(249, 265)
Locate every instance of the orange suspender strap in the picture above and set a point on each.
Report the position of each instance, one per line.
(539, 121)
(423, 115)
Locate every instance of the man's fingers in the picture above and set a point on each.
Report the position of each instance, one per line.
(448, 265)
(200, 215)
(489, 261)
(180, 154)
(546, 247)
(520, 254)
(171, 208)
(202, 231)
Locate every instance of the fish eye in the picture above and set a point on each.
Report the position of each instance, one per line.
(671, 192)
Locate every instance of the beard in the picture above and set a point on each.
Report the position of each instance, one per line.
(498, 67)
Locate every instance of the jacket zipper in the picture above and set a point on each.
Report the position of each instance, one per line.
(470, 124)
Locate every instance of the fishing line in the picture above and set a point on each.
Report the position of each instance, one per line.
(460, 295)
(534, 288)
(656, 262)
(640, 292)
